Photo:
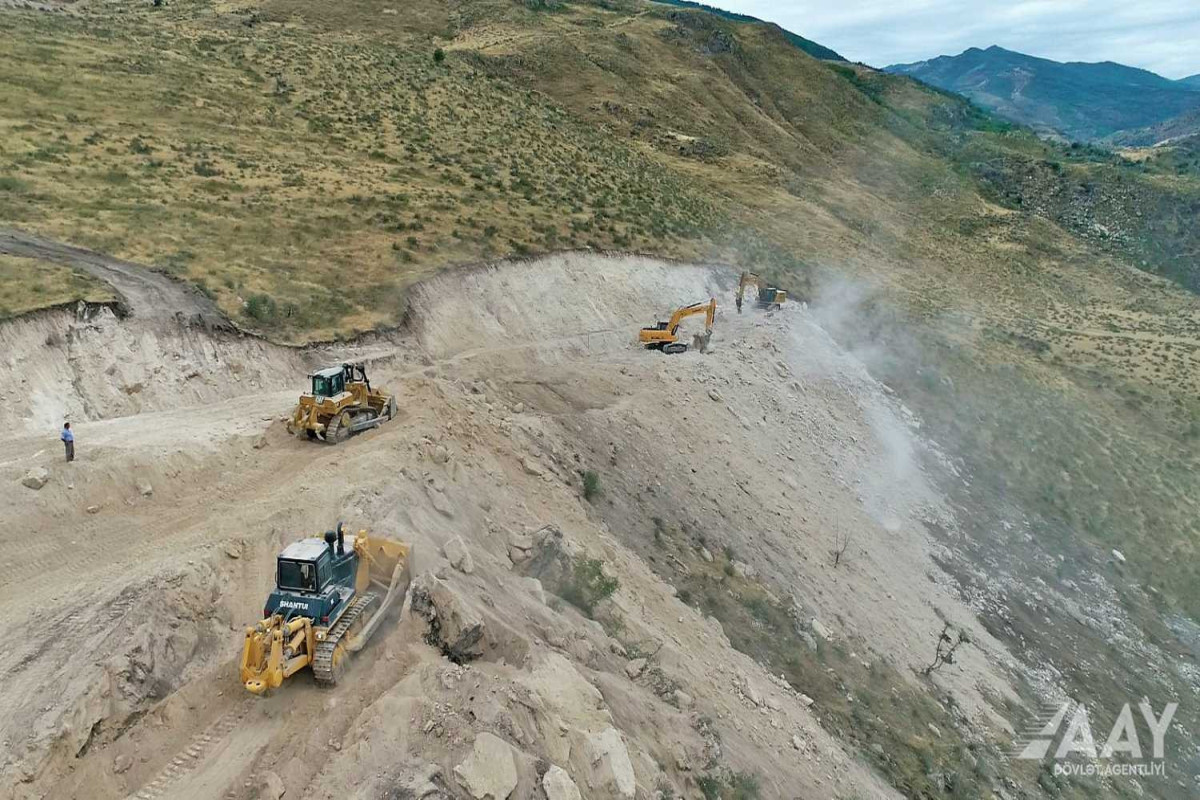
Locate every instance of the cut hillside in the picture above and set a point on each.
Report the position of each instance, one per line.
(643, 545)
(322, 169)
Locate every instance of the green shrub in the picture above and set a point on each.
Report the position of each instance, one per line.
(589, 586)
(591, 485)
(260, 307)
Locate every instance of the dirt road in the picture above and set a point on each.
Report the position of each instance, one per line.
(144, 292)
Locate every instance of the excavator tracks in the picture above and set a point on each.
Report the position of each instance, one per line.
(329, 657)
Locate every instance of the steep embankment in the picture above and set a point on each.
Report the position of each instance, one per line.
(156, 546)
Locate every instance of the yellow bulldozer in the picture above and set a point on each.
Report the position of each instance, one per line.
(329, 598)
(341, 402)
(768, 297)
(664, 336)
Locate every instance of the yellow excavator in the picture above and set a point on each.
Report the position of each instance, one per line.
(769, 297)
(341, 402)
(664, 336)
(329, 598)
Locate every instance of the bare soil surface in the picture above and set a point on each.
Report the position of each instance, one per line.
(130, 575)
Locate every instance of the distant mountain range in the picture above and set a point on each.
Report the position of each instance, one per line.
(1079, 101)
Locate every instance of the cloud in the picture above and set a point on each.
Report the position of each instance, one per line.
(1158, 35)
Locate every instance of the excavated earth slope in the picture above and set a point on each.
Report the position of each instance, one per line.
(130, 575)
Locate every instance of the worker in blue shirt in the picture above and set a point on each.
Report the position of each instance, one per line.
(68, 440)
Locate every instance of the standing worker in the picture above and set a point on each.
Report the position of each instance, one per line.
(68, 440)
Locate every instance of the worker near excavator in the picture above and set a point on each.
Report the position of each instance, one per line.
(68, 440)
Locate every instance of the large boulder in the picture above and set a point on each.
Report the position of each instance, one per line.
(454, 627)
(458, 555)
(36, 478)
(558, 785)
(490, 772)
(612, 770)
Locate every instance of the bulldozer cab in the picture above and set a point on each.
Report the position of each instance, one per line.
(329, 382)
(302, 576)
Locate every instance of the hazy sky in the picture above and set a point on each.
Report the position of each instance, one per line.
(1159, 35)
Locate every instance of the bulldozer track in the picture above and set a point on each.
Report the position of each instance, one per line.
(322, 666)
(192, 755)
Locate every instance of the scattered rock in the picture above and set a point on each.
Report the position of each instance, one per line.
(458, 556)
(797, 742)
(532, 467)
(743, 570)
(682, 699)
(454, 628)
(260, 442)
(93, 509)
(520, 540)
(534, 586)
(558, 785)
(438, 499)
(122, 763)
(706, 555)
(635, 668)
(612, 770)
(490, 772)
(806, 701)
(714, 395)
(233, 549)
(1118, 555)
(36, 478)
(440, 454)
(519, 408)
(272, 787)
(819, 629)
(145, 489)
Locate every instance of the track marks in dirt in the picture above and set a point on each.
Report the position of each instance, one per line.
(194, 772)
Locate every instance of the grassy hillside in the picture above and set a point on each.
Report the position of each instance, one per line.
(305, 161)
(27, 284)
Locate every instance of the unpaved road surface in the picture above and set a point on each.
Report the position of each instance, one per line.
(144, 292)
(130, 575)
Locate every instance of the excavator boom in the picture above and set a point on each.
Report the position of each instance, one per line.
(769, 297)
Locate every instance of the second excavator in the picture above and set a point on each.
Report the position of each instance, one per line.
(768, 297)
(664, 336)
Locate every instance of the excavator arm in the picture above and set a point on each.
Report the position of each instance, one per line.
(768, 296)
(709, 310)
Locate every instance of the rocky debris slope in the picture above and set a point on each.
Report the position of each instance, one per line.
(545, 645)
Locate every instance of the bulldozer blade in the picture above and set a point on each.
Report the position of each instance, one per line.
(383, 552)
